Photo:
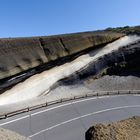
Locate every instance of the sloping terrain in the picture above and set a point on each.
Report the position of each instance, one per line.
(70, 73)
(128, 129)
(63, 65)
(20, 54)
(46, 63)
(21, 58)
(111, 83)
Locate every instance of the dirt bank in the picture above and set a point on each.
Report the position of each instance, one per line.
(128, 129)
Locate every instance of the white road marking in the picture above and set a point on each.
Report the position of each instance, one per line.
(86, 115)
(56, 107)
(49, 109)
(63, 105)
(74, 102)
(21, 118)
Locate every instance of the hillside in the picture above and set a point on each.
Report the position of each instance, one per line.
(21, 58)
(73, 57)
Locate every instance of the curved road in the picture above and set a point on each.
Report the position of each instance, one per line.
(70, 120)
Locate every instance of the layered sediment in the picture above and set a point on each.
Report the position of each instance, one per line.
(35, 54)
(20, 54)
(72, 73)
(122, 62)
(23, 57)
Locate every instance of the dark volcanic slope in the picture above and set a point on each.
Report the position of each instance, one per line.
(123, 62)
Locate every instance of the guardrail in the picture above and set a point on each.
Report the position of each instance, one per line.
(89, 94)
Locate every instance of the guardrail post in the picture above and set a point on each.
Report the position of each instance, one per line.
(46, 104)
(97, 94)
(118, 92)
(88, 94)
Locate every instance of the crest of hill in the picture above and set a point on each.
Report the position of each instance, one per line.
(135, 30)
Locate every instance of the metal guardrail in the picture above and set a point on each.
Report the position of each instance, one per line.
(89, 94)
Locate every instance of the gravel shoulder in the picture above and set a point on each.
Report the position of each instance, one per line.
(110, 83)
(10, 135)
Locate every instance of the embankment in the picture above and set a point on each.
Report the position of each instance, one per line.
(34, 54)
(123, 61)
(122, 130)
(71, 73)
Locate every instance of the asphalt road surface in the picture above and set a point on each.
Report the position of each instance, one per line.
(70, 120)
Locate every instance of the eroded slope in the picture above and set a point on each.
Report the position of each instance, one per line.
(20, 54)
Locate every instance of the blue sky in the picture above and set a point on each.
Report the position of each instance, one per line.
(49, 17)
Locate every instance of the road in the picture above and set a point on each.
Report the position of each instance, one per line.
(70, 120)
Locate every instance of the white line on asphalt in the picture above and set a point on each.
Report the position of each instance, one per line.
(21, 118)
(49, 109)
(74, 102)
(56, 107)
(63, 105)
(86, 115)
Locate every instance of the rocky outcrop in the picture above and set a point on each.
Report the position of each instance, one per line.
(21, 54)
(21, 58)
(122, 62)
(18, 55)
(128, 129)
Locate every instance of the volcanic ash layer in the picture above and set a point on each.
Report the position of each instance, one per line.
(75, 71)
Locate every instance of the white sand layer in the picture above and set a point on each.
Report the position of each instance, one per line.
(40, 84)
